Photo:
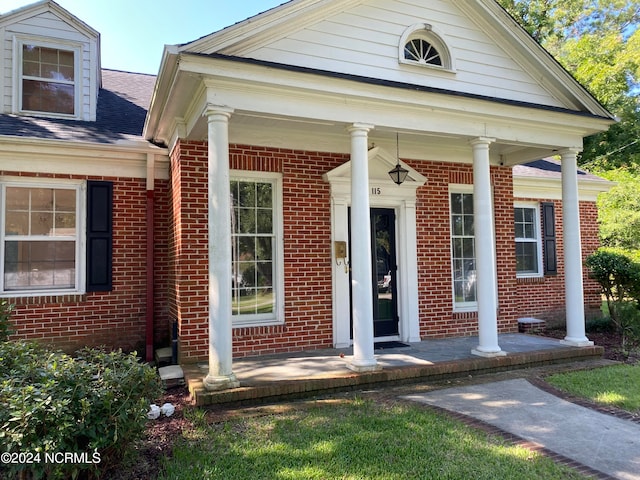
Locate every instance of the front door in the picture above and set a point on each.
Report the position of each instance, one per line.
(384, 269)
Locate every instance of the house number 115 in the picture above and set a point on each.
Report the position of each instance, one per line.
(376, 191)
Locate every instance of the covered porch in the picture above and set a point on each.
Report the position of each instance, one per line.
(291, 375)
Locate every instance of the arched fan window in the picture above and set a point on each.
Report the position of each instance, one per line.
(421, 51)
(421, 45)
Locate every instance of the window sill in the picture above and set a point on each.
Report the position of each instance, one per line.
(41, 299)
(255, 323)
(529, 280)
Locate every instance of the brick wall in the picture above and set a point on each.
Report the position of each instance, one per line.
(544, 297)
(307, 252)
(437, 318)
(188, 249)
(115, 319)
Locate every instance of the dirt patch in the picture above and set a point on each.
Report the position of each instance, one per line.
(610, 340)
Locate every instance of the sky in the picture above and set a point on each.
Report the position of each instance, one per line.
(134, 32)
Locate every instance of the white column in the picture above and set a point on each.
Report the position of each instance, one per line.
(361, 272)
(220, 376)
(573, 287)
(485, 244)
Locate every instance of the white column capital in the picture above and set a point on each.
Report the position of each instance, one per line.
(481, 141)
(363, 128)
(216, 112)
(569, 152)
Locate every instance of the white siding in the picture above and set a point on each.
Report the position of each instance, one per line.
(365, 40)
(46, 26)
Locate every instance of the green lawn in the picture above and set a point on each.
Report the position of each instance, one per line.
(350, 439)
(617, 386)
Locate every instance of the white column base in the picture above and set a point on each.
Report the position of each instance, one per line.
(488, 354)
(362, 366)
(577, 342)
(226, 382)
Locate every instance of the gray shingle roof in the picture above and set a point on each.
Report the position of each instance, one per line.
(123, 102)
(547, 168)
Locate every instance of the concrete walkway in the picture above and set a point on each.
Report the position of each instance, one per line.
(600, 441)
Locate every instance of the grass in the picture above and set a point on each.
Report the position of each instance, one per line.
(350, 439)
(617, 386)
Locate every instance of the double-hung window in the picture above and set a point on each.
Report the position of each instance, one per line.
(48, 78)
(41, 237)
(463, 252)
(528, 241)
(257, 256)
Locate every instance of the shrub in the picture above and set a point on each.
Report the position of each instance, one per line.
(93, 405)
(619, 278)
(5, 325)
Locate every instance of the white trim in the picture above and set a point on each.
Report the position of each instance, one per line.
(427, 32)
(400, 198)
(243, 321)
(538, 237)
(551, 188)
(80, 236)
(76, 47)
(124, 159)
(458, 307)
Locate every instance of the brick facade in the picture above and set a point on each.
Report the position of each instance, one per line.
(544, 297)
(116, 319)
(307, 252)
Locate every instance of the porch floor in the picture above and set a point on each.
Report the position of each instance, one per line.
(299, 374)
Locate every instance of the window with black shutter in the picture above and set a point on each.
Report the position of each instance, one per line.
(549, 232)
(99, 236)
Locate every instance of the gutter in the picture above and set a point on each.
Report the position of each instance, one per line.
(150, 257)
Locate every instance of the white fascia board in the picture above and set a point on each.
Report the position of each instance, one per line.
(123, 159)
(551, 188)
(39, 8)
(162, 91)
(255, 88)
(243, 37)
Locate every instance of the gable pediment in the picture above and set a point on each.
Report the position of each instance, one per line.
(380, 162)
(494, 57)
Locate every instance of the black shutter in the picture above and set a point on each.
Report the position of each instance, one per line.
(549, 238)
(99, 236)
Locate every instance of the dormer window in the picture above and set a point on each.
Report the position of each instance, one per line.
(48, 80)
(421, 45)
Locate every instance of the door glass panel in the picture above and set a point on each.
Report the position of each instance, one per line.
(385, 303)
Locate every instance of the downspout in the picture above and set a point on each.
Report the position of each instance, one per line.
(150, 257)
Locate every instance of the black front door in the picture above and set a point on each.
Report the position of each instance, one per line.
(384, 269)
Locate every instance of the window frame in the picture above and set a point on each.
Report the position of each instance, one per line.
(537, 240)
(459, 306)
(276, 317)
(75, 47)
(429, 34)
(80, 261)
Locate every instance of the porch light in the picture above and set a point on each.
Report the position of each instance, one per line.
(398, 174)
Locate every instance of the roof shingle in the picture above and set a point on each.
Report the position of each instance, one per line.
(123, 102)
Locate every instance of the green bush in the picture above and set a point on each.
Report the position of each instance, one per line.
(619, 278)
(5, 325)
(93, 405)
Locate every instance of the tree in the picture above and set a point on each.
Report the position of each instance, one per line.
(619, 211)
(597, 41)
